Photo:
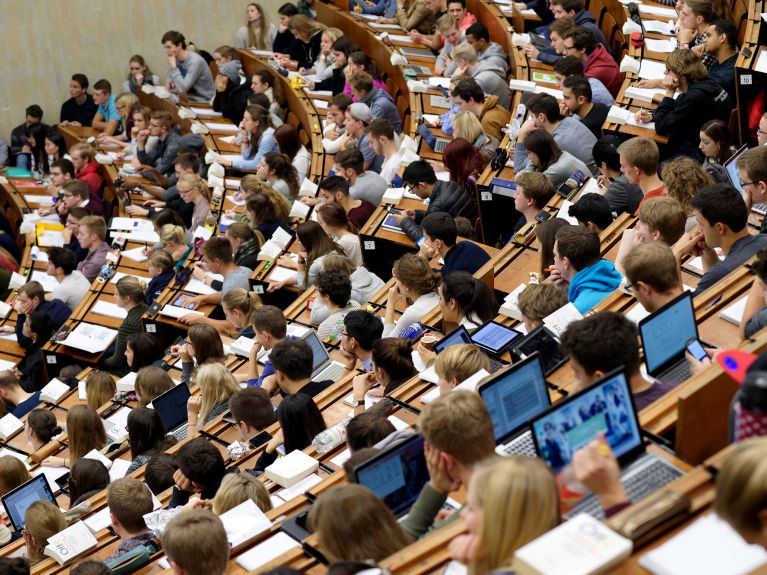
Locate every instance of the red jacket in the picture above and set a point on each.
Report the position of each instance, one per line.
(600, 65)
(92, 177)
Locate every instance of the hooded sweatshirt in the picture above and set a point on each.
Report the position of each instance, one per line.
(382, 105)
(592, 284)
(494, 54)
(365, 284)
(492, 80)
(586, 19)
(600, 65)
(493, 117)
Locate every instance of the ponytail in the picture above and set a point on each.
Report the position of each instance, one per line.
(394, 356)
(131, 288)
(474, 298)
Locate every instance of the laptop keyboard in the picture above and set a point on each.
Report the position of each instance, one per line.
(334, 371)
(640, 480)
(440, 146)
(521, 445)
(760, 208)
(181, 432)
(495, 365)
(678, 373)
(418, 70)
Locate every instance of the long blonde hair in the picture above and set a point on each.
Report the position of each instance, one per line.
(741, 487)
(519, 500)
(196, 182)
(217, 385)
(468, 126)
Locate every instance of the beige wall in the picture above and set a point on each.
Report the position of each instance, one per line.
(44, 42)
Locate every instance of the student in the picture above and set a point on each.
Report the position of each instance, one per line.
(85, 432)
(237, 488)
(231, 95)
(289, 144)
(478, 37)
(21, 148)
(694, 18)
(414, 281)
(752, 171)
(458, 363)
(13, 395)
(293, 360)
(653, 274)
(683, 177)
(639, 159)
(270, 328)
(538, 301)
(146, 435)
(42, 520)
(238, 305)
(469, 96)
(660, 219)
(591, 50)
(339, 103)
(569, 134)
(217, 385)
(448, 197)
(466, 300)
(491, 77)
(161, 157)
(189, 73)
(458, 435)
(466, 125)
(379, 101)
(381, 138)
(246, 245)
(534, 191)
(125, 104)
(13, 473)
(258, 32)
(264, 83)
(72, 283)
(363, 184)
(87, 170)
(106, 118)
(593, 212)
(90, 235)
(100, 388)
(539, 152)
(262, 211)
(86, 478)
(129, 500)
(502, 492)
(700, 99)
(151, 382)
(441, 234)
(361, 330)
(577, 265)
(575, 10)
(357, 118)
(253, 411)
(139, 75)
(366, 429)
(334, 290)
(577, 91)
(160, 267)
(130, 296)
(80, 109)
(40, 427)
(312, 245)
(203, 345)
(38, 327)
(571, 66)
(716, 146)
(306, 46)
(451, 35)
(413, 15)
(554, 53)
(257, 139)
(201, 469)
(592, 355)
(721, 45)
(277, 170)
(31, 298)
(334, 220)
(142, 349)
(722, 222)
(159, 472)
(352, 524)
(75, 193)
(195, 543)
(323, 66)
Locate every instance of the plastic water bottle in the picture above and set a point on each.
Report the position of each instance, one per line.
(413, 331)
(331, 438)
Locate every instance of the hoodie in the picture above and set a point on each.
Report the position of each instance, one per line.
(492, 80)
(592, 284)
(493, 117)
(586, 19)
(600, 65)
(365, 284)
(382, 105)
(494, 54)
(92, 177)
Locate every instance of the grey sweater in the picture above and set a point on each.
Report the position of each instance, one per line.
(572, 136)
(193, 78)
(557, 173)
(492, 79)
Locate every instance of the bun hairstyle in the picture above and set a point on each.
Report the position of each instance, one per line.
(242, 300)
(414, 272)
(394, 356)
(44, 424)
(131, 288)
(172, 233)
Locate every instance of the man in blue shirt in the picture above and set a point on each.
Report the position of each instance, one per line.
(270, 328)
(106, 119)
(441, 235)
(31, 297)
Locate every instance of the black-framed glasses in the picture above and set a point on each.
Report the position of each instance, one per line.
(746, 184)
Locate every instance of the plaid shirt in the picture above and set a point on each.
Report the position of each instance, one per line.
(707, 59)
(130, 544)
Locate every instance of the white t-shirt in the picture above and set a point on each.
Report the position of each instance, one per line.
(72, 289)
(390, 167)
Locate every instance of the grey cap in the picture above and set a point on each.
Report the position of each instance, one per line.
(361, 112)
(231, 70)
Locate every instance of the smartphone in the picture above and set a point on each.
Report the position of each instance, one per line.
(696, 350)
(260, 439)
(542, 216)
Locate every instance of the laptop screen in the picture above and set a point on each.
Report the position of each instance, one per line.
(460, 335)
(494, 336)
(542, 341)
(171, 406)
(396, 476)
(606, 406)
(666, 332)
(515, 397)
(17, 501)
(732, 169)
(319, 353)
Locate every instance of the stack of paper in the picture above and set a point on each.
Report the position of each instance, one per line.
(177, 312)
(9, 426)
(393, 196)
(135, 254)
(244, 522)
(733, 313)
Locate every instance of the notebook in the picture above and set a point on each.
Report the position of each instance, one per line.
(665, 335)
(18, 500)
(323, 366)
(171, 407)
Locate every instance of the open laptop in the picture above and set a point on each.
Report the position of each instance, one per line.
(455, 337)
(665, 335)
(607, 406)
(171, 407)
(396, 475)
(541, 340)
(18, 500)
(513, 397)
(323, 367)
(416, 70)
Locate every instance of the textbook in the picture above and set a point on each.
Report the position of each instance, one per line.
(242, 346)
(581, 546)
(269, 251)
(9, 426)
(734, 313)
(244, 522)
(70, 543)
(292, 468)
(510, 306)
(109, 309)
(54, 391)
(308, 188)
(299, 210)
(5, 309)
(393, 196)
(91, 338)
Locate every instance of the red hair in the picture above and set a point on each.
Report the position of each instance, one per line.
(462, 160)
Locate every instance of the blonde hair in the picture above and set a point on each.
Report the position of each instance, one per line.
(519, 501)
(237, 488)
(100, 387)
(217, 385)
(446, 22)
(468, 125)
(741, 487)
(13, 473)
(129, 100)
(333, 34)
(653, 263)
(461, 362)
(242, 300)
(195, 182)
(96, 225)
(250, 184)
(685, 62)
(171, 233)
(305, 24)
(465, 51)
(131, 288)
(338, 262)
(641, 153)
(42, 521)
(85, 432)
(540, 300)
(85, 150)
(683, 178)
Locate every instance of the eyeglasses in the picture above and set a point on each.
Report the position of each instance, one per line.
(746, 184)
(760, 131)
(151, 125)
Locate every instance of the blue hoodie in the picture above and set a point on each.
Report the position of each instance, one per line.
(593, 284)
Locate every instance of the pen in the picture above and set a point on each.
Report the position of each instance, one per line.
(715, 301)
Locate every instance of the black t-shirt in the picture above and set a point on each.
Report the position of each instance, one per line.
(71, 111)
(595, 118)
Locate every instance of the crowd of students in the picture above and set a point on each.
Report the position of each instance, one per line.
(682, 196)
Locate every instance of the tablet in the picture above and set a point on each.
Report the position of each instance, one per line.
(494, 338)
(545, 343)
(18, 500)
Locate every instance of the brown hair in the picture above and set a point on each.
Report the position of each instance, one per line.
(685, 62)
(666, 216)
(85, 431)
(334, 215)
(416, 274)
(13, 473)
(164, 118)
(546, 234)
(196, 541)
(683, 178)
(42, 521)
(338, 262)
(250, 184)
(242, 300)
(100, 387)
(151, 381)
(537, 187)
(86, 151)
(538, 301)
(394, 356)
(653, 263)
(207, 344)
(641, 153)
(754, 162)
(129, 500)
(270, 318)
(95, 224)
(131, 288)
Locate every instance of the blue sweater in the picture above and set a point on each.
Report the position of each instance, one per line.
(464, 257)
(55, 308)
(593, 284)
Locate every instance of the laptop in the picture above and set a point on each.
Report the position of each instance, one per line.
(323, 367)
(513, 397)
(171, 407)
(18, 500)
(440, 145)
(607, 406)
(417, 70)
(541, 340)
(665, 335)
(396, 475)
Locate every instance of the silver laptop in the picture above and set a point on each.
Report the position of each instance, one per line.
(323, 366)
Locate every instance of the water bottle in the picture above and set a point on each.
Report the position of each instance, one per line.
(331, 438)
(413, 331)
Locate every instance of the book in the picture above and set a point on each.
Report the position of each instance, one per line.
(299, 210)
(292, 468)
(49, 283)
(393, 196)
(91, 338)
(109, 309)
(96, 456)
(5, 309)
(267, 551)
(9, 426)
(176, 312)
(734, 313)
(242, 346)
(54, 391)
(558, 321)
(244, 522)
(269, 251)
(510, 307)
(127, 382)
(580, 546)
(469, 384)
(71, 543)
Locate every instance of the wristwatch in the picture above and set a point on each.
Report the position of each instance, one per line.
(356, 402)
